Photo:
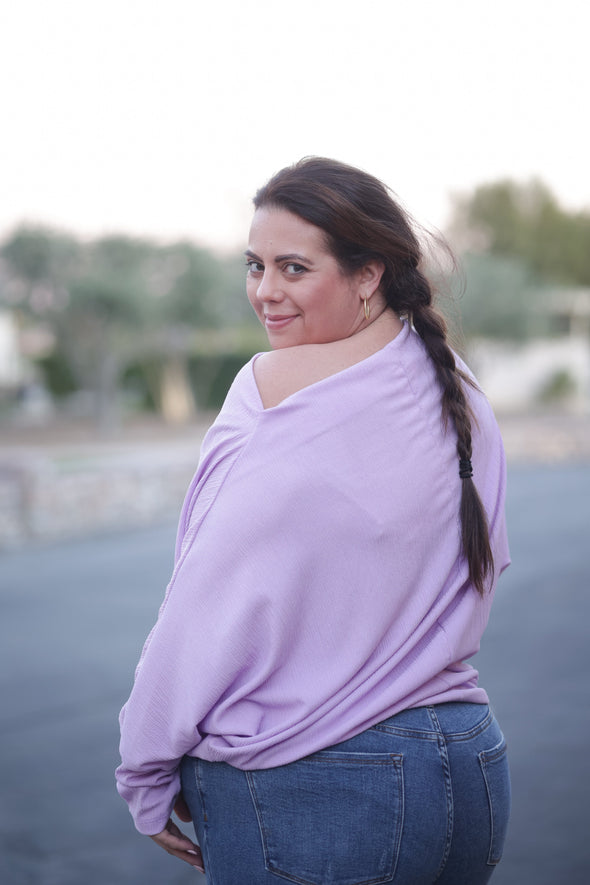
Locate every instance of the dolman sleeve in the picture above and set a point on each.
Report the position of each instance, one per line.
(158, 722)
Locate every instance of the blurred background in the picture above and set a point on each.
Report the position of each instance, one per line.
(134, 135)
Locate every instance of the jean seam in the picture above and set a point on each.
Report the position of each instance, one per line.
(351, 758)
(446, 767)
(485, 757)
(473, 732)
(261, 827)
(421, 734)
(406, 732)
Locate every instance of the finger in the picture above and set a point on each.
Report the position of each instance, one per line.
(198, 863)
(174, 831)
(174, 842)
(191, 856)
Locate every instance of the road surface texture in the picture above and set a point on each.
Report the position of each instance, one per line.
(74, 616)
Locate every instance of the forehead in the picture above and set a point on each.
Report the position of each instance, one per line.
(279, 230)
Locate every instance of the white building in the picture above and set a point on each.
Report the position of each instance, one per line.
(12, 369)
(519, 375)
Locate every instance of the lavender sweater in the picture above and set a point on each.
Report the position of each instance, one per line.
(319, 585)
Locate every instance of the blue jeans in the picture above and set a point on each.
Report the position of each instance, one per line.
(422, 797)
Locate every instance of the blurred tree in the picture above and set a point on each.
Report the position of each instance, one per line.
(525, 221)
(187, 270)
(119, 301)
(502, 299)
(37, 262)
(180, 271)
(90, 296)
(100, 332)
(517, 244)
(201, 304)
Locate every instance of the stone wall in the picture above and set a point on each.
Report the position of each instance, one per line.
(45, 499)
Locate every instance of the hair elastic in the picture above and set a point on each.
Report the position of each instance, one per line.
(465, 468)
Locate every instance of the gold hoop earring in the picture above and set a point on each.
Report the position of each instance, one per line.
(367, 307)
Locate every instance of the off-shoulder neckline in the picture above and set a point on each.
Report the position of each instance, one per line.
(359, 365)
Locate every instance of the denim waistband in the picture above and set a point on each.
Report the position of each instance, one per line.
(454, 721)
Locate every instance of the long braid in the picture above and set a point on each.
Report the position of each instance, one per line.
(431, 327)
(362, 221)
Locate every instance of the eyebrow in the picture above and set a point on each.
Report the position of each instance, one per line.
(289, 256)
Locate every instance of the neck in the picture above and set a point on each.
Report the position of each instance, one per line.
(383, 323)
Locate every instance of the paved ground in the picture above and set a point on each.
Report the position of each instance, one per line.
(74, 616)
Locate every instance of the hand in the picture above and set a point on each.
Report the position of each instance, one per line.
(172, 840)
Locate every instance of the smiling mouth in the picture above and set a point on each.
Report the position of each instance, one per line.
(276, 322)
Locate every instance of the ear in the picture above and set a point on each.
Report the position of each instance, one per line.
(369, 277)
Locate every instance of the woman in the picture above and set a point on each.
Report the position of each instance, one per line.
(305, 691)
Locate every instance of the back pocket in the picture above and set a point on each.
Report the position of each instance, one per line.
(331, 817)
(494, 764)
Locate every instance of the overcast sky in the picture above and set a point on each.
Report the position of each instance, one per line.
(162, 118)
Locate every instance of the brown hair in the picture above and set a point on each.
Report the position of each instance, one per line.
(362, 222)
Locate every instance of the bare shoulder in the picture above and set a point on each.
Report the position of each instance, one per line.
(280, 373)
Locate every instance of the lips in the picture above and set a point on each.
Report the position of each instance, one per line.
(278, 321)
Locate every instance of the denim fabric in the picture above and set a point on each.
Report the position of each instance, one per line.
(422, 797)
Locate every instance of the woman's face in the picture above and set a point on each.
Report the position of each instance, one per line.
(295, 285)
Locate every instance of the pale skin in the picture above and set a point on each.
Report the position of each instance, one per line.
(314, 315)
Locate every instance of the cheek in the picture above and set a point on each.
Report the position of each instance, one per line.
(338, 299)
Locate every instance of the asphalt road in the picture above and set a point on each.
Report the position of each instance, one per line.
(73, 619)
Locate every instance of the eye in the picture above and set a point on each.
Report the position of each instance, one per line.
(254, 267)
(294, 269)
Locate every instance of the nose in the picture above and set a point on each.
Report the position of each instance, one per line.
(269, 288)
